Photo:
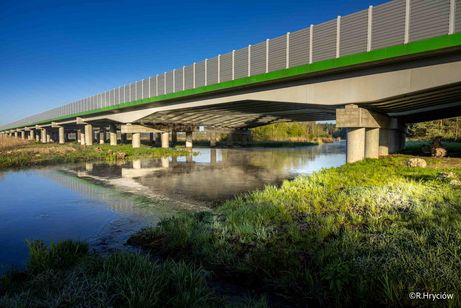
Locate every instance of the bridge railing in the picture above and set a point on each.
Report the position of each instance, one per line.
(393, 23)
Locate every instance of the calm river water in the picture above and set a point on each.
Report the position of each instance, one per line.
(104, 204)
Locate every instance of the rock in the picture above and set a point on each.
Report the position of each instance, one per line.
(439, 152)
(446, 175)
(98, 149)
(416, 162)
(455, 183)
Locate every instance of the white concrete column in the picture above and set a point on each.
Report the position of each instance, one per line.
(136, 140)
(48, 137)
(383, 142)
(372, 143)
(88, 134)
(102, 135)
(82, 137)
(189, 139)
(43, 135)
(31, 134)
(112, 134)
(37, 137)
(355, 144)
(165, 139)
(61, 135)
(23, 134)
(15, 134)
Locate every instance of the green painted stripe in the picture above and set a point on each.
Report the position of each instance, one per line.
(422, 46)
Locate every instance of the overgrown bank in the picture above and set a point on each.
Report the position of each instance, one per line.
(362, 234)
(33, 154)
(359, 235)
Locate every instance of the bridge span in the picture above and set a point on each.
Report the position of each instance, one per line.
(372, 71)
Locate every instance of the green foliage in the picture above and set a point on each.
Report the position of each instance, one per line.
(448, 129)
(67, 275)
(362, 234)
(292, 131)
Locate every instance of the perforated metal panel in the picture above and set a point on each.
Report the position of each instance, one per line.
(388, 27)
(226, 67)
(212, 71)
(189, 77)
(299, 47)
(458, 16)
(278, 53)
(161, 84)
(117, 96)
(200, 74)
(178, 80)
(428, 18)
(153, 86)
(354, 33)
(324, 43)
(138, 90)
(132, 91)
(111, 98)
(241, 63)
(258, 59)
(126, 93)
(169, 82)
(145, 88)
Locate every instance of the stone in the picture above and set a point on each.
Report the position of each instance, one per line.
(446, 175)
(439, 152)
(455, 183)
(120, 156)
(416, 162)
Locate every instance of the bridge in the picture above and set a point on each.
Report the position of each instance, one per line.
(372, 71)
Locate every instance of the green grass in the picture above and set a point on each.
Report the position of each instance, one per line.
(49, 154)
(362, 234)
(66, 275)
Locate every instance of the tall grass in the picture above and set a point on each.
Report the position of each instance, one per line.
(363, 234)
(47, 154)
(66, 275)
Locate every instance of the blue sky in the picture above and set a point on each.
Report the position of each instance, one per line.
(55, 52)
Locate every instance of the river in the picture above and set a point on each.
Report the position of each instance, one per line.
(105, 203)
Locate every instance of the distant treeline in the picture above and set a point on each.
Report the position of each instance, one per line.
(449, 129)
(305, 131)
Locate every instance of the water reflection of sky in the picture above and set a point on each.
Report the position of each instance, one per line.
(104, 204)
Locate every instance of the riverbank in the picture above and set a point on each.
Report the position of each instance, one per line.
(366, 233)
(30, 154)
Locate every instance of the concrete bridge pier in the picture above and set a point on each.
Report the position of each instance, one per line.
(102, 135)
(189, 139)
(369, 134)
(165, 139)
(136, 140)
(37, 137)
(48, 136)
(61, 135)
(112, 134)
(23, 134)
(42, 135)
(88, 134)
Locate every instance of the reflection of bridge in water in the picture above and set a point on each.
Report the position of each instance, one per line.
(113, 199)
(214, 174)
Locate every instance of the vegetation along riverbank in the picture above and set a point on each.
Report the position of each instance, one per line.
(365, 233)
(15, 153)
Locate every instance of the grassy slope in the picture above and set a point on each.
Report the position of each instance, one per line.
(45, 154)
(367, 233)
